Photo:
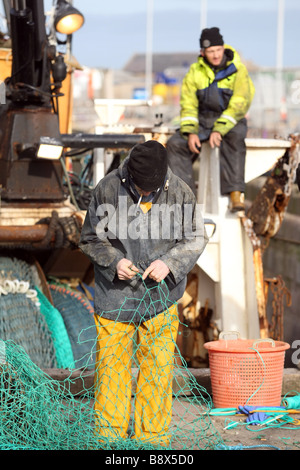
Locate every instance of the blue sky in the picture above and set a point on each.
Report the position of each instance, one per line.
(114, 30)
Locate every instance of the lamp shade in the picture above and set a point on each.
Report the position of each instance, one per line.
(50, 148)
(67, 19)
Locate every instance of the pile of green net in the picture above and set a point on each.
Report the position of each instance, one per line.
(39, 412)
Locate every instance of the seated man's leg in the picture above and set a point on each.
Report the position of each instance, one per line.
(180, 159)
(298, 176)
(232, 162)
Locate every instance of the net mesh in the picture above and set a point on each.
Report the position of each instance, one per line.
(137, 394)
(21, 319)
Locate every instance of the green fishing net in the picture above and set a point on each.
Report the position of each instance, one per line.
(39, 412)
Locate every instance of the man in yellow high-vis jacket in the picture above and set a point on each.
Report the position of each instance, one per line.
(215, 97)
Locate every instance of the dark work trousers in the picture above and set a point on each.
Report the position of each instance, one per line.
(232, 159)
(298, 176)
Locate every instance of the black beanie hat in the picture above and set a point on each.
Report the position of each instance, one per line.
(148, 165)
(211, 37)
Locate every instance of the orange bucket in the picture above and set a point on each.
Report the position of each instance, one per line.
(246, 371)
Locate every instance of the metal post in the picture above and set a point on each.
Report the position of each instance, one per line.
(280, 34)
(279, 57)
(203, 16)
(149, 48)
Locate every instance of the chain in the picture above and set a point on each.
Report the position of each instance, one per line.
(279, 291)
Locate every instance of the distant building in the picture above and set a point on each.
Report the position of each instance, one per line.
(160, 62)
(168, 70)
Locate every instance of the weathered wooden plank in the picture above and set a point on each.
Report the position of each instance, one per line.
(78, 382)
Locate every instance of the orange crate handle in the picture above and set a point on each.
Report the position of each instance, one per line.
(264, 340)
(224, 333)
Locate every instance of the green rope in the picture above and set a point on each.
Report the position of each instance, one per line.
(263, 380)
(61, 341)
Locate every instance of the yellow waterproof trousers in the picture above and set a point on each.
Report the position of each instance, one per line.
(154, 341)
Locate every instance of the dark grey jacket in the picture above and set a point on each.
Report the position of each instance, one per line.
(115, 227)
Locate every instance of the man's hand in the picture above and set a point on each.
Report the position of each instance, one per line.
(215, 139)
(157, 271)
(194, 143)
(126, 269)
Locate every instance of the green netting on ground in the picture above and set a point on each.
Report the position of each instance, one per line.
(124, 401)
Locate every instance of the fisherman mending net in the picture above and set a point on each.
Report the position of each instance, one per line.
(144, 233)
(142, 227)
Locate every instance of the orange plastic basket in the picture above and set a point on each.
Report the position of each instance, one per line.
(246, 371)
